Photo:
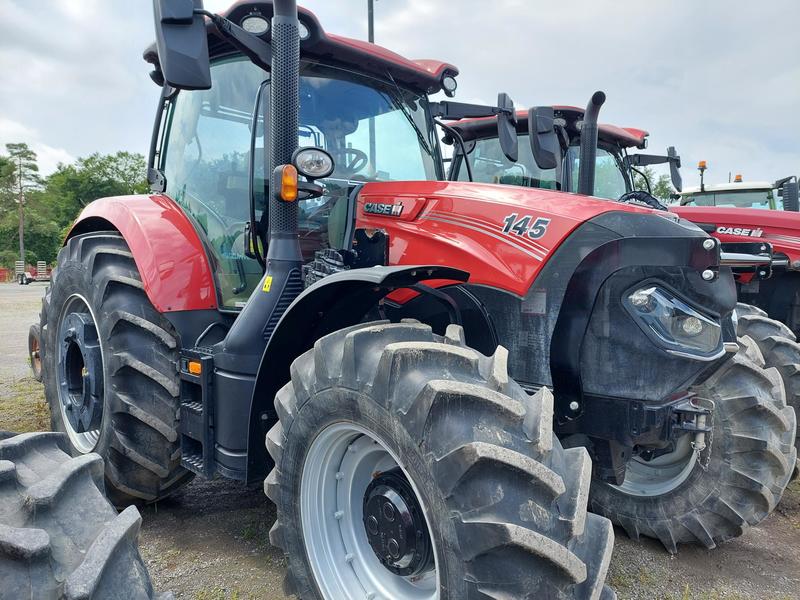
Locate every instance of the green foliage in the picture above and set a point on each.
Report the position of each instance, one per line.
(660, 187)
(52, 204)
(74, 186)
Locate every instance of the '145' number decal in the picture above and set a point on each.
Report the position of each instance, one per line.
(523, 226)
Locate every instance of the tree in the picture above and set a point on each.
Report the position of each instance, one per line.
(71, 187)
(25, 177)
(660, 187)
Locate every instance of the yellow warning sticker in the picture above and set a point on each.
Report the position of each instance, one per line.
(267, 283)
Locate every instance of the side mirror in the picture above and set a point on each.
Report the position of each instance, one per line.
(543, 137)
(790, 196)
(507, 127)
(182, 44)
(674, 168)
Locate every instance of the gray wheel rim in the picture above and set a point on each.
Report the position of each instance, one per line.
(661, 475)
(84, 442)
(338, 468)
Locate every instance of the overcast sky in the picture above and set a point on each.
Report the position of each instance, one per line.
(718, 79)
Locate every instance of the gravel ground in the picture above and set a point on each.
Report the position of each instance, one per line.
(210, 541)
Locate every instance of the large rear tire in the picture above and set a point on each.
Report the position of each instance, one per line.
(97, 320)
(712, 496)
(59, 536)
(500, 505)
(778, 346)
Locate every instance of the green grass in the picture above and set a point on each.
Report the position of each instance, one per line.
(22, 406)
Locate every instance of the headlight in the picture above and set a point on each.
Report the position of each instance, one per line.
(674, 325)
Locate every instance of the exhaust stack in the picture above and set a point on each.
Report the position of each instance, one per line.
(588, 151)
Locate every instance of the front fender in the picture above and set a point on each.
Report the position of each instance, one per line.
(166, 247)
(335, 302)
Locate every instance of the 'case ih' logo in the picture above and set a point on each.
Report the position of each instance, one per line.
(740, 231)
(389, 210)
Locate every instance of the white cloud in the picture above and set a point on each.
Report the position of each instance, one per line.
(48, 156)
(719, 83)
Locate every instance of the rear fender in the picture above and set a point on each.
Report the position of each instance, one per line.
(335, 302)
(166, 247)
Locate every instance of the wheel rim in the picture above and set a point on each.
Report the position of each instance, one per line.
(662, 474)
(341, 463)
(79, 373)
(36, 356)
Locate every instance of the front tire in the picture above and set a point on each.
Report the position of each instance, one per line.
(59, 536)
(494, 497)
(97, 320)
(736, 481)
(779, 348)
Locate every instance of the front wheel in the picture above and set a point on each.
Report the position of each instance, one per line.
(778, 346)
(711, 496)
(410, 467)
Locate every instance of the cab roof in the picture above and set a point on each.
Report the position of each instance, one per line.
(742, 186)
(423, 75)
(485, 127)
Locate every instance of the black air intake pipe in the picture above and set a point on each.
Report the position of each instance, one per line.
(588, 153)
(244, 345)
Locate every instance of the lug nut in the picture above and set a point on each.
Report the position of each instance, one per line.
(709, 244)
(708, 275)
(372, 525)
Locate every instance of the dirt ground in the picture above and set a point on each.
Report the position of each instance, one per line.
(210, 542)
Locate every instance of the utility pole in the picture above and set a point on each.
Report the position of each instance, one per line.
(371, 21)
(371, 40)
(20, 198)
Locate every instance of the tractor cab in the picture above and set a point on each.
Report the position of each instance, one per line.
(615, 159)
(780, 195)
(376, 126)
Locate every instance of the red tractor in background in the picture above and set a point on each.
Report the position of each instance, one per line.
(305, 297)
(551, 156)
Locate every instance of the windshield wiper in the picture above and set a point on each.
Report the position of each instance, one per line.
(399, 103)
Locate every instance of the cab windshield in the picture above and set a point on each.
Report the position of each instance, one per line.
(490, 165)
(375, 130)
(745, 199)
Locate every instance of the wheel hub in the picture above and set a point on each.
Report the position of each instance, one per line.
(395, 525)
(80, 372)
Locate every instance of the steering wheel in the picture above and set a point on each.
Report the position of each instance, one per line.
(642, 198)
(358, 162)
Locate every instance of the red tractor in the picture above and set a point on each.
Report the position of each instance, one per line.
(303, 274)
(552, 156)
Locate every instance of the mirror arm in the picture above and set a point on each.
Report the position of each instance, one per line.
(460, 140)
(453, 111)
(254, 48)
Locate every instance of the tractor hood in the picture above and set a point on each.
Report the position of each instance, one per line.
(503, 235)
(779, 228)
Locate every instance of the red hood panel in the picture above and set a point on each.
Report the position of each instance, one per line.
(470, 226)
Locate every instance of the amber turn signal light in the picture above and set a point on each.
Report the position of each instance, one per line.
(194, 367)
(288, 179)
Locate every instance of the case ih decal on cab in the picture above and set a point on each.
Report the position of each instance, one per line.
(380, 208)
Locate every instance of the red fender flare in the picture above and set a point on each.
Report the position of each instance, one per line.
(166, 247)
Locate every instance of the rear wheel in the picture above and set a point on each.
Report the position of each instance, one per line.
(110, 369)
(410, 467)
(710, 496)
(59, 536)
